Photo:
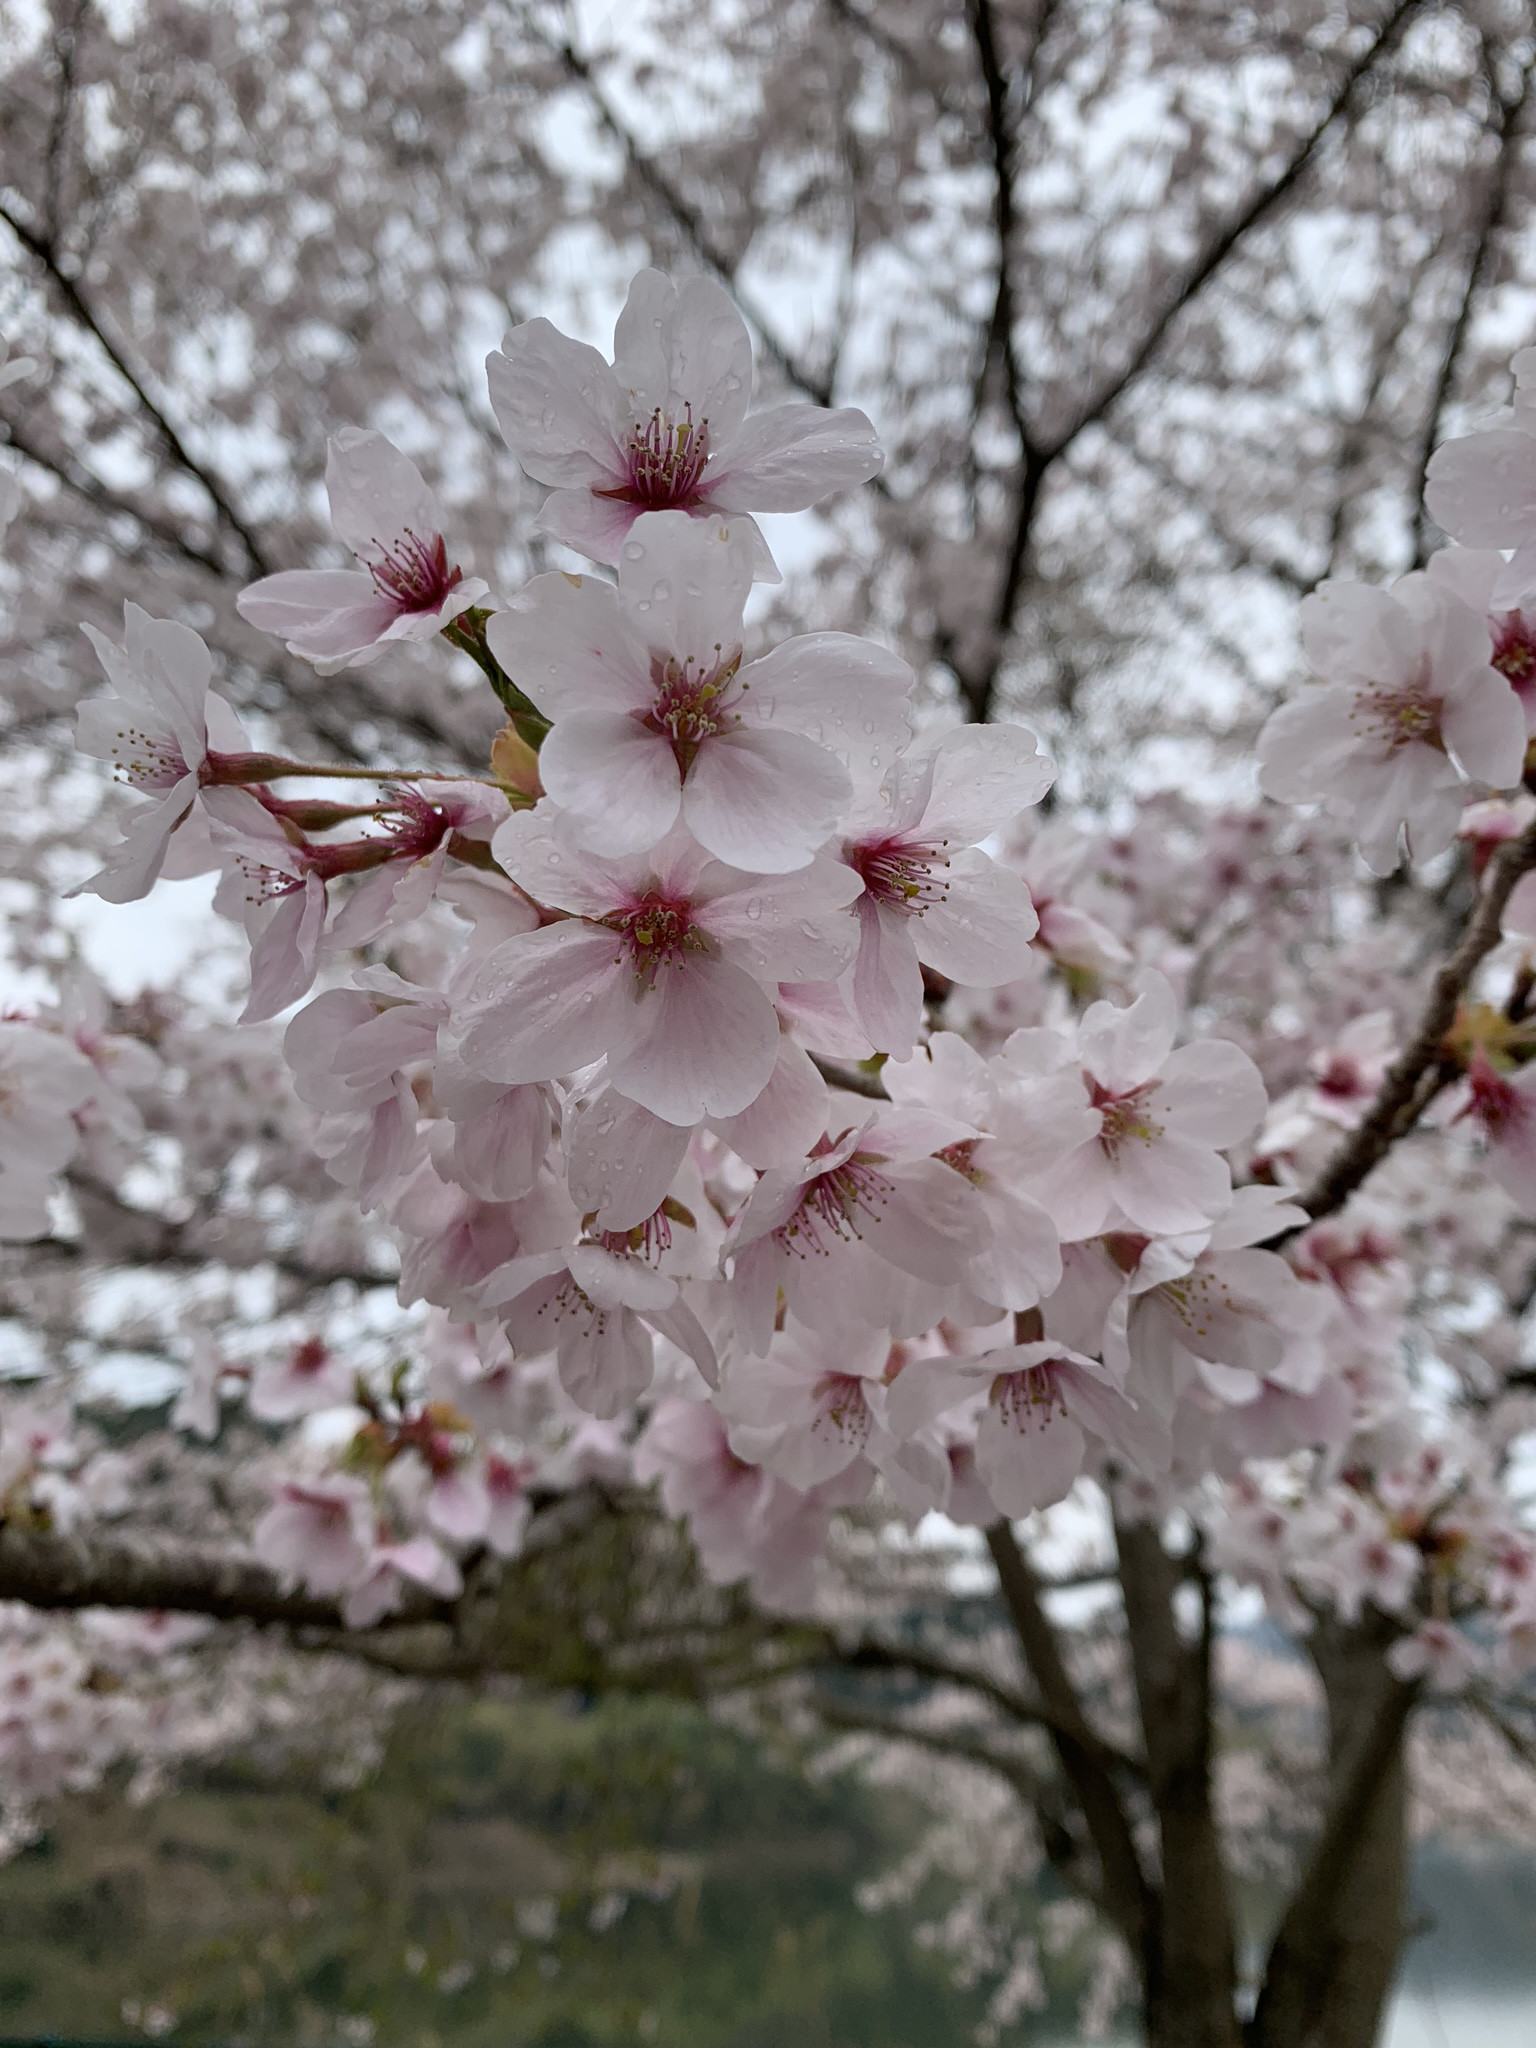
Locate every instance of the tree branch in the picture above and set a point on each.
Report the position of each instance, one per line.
(692, 223)
(42, 248)
(1129, 1899)
(1416, 1076)
(74, 476)
(1015, 1706)
(1216, 252)
(1490, 225)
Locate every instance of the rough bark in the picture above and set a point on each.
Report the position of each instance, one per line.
(1128, 1900)
(1332, 1962)
(1190, 1969)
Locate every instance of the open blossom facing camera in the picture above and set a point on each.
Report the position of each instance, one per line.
(665, 963)
(656, 712)
(666, 428)
(1409, 713)
(408, 588)
(1161, 1118)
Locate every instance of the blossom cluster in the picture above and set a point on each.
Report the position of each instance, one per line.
(764, 1099)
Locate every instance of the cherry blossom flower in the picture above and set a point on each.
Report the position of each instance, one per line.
(1437, 1652)
(276, 889)
(655, 711)
(1410, 712)
(1505, 596)
(1164, 1117)
(595, 1305)
(1503, 1107)
(1481, 488)
(1042, 1404)
(871, 1227)
(746, 1523)
(44, 1080)
(318, 1533)
(156, 726)
(310, 1378)
(418, 1561)
(931, 896)
(666, 427)
(418, 842)
(809, 1409)
(508, 1506)
(1211, 1309)
(1016, 1134)
(407, 589)
(665, 965)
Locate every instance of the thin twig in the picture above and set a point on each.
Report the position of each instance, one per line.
(1417, 1074)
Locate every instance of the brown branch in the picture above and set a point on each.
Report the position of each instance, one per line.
(56, 1572)
(1418, 1073)
(970, 1748)
(692, 223)
(44, 251)
(1491, 222)
(74, 476)
(873, 1656)
(1128, 1898)
(1259, 204)
(850, 1079)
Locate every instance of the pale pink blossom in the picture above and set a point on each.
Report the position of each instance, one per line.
(1054, 864)
(392, 1567)
(1481, 488)
(1042, 1404)
(508, 1505)
(869, 1228)
(666, 427)
(1439, 1653)
(408, 587)
(1505, 595)
(318, 1533)
(811, 1407)
(418, 842)
(655, 712)
(1503, 1108)
(746, 1523)
(1164, 1118)
(1410, 712)
(452, 1240)
(667, 965)
(596, 1305)
(1015, 1132)
(276, 889)
(156, 727)
(1211, 1309)
(310, 1378)
(44, 1080)
(931, 897)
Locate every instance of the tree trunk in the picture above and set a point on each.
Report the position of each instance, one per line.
(1187, 1968)
(1333, 1961)
(1367, 1934)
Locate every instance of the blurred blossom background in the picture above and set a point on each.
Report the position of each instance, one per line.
(1159, 308)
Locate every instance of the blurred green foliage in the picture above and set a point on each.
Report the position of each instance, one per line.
(517, 1874)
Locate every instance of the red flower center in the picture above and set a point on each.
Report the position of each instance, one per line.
(666, 459)
(413, 573)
